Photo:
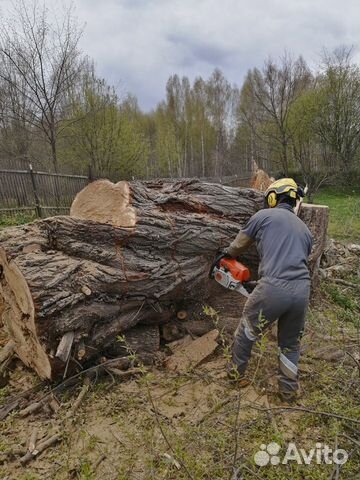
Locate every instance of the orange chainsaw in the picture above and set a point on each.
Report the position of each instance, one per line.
(230, 273)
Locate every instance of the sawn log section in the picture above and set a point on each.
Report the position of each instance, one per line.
(70, 286)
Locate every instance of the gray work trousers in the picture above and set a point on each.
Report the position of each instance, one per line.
(274, 299)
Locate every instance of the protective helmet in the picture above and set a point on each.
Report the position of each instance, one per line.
(284, 186)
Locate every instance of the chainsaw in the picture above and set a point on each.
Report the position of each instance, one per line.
(230, 273)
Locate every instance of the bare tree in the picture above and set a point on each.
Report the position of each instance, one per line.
(220, 102)
(39, 61)
(267, 97)
(339, 121)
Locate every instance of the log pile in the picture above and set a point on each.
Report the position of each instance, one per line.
(129, 257)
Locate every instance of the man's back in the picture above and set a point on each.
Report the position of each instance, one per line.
(283, 242)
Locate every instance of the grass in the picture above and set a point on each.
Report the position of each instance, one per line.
(344, 204)
(16, 219)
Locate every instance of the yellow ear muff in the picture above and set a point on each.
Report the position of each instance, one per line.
(272, 199)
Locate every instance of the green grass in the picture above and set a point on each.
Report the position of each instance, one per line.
(344, 204)
(16, 219)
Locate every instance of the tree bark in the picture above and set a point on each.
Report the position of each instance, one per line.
(98, 280)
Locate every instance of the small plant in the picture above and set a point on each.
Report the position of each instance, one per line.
(343, 300)
(130, 352)
(86, 471)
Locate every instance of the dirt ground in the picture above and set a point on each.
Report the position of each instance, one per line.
(197, 425)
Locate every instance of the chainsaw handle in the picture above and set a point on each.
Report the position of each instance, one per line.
(218, 256)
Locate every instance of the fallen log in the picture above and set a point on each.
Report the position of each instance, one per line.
(76, 283)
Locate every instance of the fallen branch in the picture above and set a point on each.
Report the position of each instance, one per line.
(96, 369)
(32, 440)
(340, 281)
(357, 362)
(32, 408)
(13, 452)
(215, 409)
(353, 440)
(127, 374)
(271, 416)
(64, 347)
(80, 397)
(336, 470)
(14, 402)
(98, 461)
(8, 408)
(306, 410)
(41, 447)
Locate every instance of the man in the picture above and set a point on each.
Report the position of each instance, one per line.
(284, 244)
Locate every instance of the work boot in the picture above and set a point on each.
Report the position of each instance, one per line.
(289, 397)
(236, 377)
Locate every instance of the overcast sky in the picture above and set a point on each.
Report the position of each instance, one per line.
(138, 44)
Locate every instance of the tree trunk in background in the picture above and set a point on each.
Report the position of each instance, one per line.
(70, 286)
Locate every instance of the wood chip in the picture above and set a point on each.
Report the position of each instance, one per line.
(54, 404)
(34, 407)
(80, 397)
(194, 353)
(64, 348)
(32, 440)
(86, 290)
(178, 344)
(81, 351)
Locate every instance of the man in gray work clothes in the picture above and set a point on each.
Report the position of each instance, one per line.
(284, 244)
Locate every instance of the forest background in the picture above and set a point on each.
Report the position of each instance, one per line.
(285, 117)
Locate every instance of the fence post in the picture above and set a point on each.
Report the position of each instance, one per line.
(90, 174)
(36, 197)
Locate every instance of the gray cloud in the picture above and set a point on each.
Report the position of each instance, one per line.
(138, 44)
(195, 51)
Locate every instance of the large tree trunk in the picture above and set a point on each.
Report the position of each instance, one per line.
(70, 286)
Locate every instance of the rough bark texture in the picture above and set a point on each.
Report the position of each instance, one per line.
(67, 274)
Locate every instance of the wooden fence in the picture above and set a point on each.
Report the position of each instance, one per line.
(39, 194)
(43, 194)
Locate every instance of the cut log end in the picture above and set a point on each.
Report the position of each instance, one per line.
(105, 202)
(182, 314)
(19, 318)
